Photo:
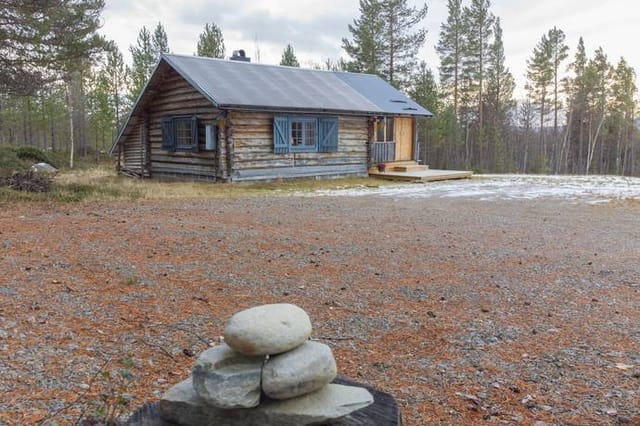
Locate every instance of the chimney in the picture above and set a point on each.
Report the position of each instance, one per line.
(239, 55)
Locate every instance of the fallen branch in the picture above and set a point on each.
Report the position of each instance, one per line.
(162, 349)
(334, 338)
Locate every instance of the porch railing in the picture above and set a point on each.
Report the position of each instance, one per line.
(382, 152)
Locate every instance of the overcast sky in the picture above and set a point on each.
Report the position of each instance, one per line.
(315, 27)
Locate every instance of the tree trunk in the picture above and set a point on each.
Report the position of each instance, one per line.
(593, 140)
(563, 165)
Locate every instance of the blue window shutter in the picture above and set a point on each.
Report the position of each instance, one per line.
(194, 133)
(280, 135)
(328, 134)
(168, 140)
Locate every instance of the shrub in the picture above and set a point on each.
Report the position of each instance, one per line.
(29, 153)
(10, 163)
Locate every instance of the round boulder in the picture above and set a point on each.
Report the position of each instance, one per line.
(268, 329)
(303, 370)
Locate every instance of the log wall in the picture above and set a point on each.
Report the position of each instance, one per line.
(175, 97)
(245, 140)
(253, 158)
(133, 153)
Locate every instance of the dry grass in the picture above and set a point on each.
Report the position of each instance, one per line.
(101, 183)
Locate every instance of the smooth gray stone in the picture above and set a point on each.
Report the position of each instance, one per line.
(268, 329)
(304, 369)
(226, 379)
(44, 168)
(182, 405)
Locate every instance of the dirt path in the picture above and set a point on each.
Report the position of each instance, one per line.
(466, 311)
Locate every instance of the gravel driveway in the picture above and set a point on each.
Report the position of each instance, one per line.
(467, 310)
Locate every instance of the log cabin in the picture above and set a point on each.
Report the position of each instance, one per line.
(233, 120)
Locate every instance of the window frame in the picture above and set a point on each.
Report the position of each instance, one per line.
(387, 125)
(303, 147)
(188, 120)
(170, 133)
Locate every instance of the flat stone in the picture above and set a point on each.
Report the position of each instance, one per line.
(268, 329)
(304, 369)
(181, 405)
(227, 379)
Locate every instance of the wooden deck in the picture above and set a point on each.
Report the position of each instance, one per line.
(428, 175)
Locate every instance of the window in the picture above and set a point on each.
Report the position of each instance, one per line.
(384, 129)
(184, 135)
(305, 134)
(302, 133)
(180, 133)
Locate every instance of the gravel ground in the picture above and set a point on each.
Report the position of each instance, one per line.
(468, 311)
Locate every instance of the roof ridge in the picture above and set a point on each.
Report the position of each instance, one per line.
(207, 58)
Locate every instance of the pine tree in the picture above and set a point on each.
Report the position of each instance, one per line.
(597, 82)
(479, 26)
(211, 42)
(367, 47)
(540, 79)
(450, 49)
(145, 54)
(424, 90)
(289, 57)
(100, 110)
(499, 100)
(575, 90)
(401, 40)
(559, 52)
(117, 73)
(623, 91)
(43, 41)
(143, 62)
(159, 42)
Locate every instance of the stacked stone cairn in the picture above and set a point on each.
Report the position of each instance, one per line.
(266, 373)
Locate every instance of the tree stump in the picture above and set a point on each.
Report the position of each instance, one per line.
(383, 412)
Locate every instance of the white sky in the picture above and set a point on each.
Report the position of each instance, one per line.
(315, 27)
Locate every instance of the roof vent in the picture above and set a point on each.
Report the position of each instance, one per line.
(239, 55)
(398, 101)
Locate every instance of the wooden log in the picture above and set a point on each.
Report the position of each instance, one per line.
(272, 173)
(383, 412)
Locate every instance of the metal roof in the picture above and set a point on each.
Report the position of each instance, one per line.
(382, 94)
(244, 85)
(235, 84)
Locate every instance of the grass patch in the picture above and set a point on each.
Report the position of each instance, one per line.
(101, 183)
(132, 280)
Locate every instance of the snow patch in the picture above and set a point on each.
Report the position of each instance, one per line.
(590, 189)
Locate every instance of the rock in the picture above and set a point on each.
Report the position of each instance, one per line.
(268, 329)
(44, 168)
(329, 403)
(226, 379)
(181, 405)
(302, 370)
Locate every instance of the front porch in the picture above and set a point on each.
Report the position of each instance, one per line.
(411, 171)
(394, 152)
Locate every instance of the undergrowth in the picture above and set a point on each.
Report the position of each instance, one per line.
(101, 183)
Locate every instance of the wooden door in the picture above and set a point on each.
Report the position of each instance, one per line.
(403, 137)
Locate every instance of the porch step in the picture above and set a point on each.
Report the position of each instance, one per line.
(410, 168)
